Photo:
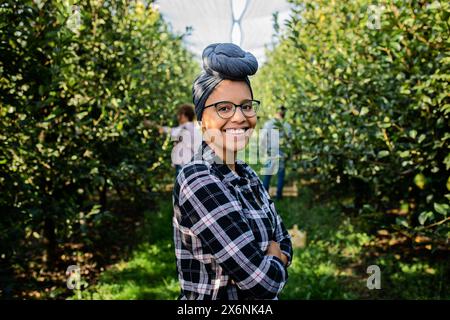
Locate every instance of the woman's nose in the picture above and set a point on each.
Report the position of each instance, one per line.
(238, 115)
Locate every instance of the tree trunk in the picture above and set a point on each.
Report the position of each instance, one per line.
(50, 236)
(103, 195)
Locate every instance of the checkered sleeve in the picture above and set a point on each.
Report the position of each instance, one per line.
(211, 213)
(282, 236)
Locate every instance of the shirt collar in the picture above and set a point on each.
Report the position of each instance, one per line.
(242, 176)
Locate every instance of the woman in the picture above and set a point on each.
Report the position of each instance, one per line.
(229, 241)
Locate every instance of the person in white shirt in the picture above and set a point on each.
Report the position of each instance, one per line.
(274, 143)
(185, 136)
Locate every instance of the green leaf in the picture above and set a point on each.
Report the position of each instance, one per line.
(364, 111)
(424, 216)
(420, 181)
(402, 222)
(382, 154)
(81, 115)
(447, 163)
(442, 208)
(421, 138)
(404, 154)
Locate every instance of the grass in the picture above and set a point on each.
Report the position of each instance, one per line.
(334, 263)
(150, 274)
(322, 270)
(151, 271)
(331, 266)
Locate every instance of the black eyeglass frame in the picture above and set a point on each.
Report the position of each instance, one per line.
(235, 108)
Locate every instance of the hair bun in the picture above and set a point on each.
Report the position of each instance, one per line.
(228, 61)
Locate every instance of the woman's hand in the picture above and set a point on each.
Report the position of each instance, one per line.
(274, 250)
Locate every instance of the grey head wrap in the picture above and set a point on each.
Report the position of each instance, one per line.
(221, 61)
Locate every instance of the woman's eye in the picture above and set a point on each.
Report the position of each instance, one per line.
(225, 108)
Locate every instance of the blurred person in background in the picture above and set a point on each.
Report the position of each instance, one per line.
(274, 142)
(184, 136)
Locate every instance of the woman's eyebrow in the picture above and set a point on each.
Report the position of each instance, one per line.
(244, 100)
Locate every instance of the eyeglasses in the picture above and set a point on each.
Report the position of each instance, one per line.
(227, 109)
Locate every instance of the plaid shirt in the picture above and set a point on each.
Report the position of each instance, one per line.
(223, 224)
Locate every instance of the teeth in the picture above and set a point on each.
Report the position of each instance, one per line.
(235, 131)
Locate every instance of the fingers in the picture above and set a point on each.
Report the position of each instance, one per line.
(274, 249)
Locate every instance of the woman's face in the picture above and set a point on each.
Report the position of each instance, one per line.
(220, 131)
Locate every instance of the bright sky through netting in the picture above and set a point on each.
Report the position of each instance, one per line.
(248, 23)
